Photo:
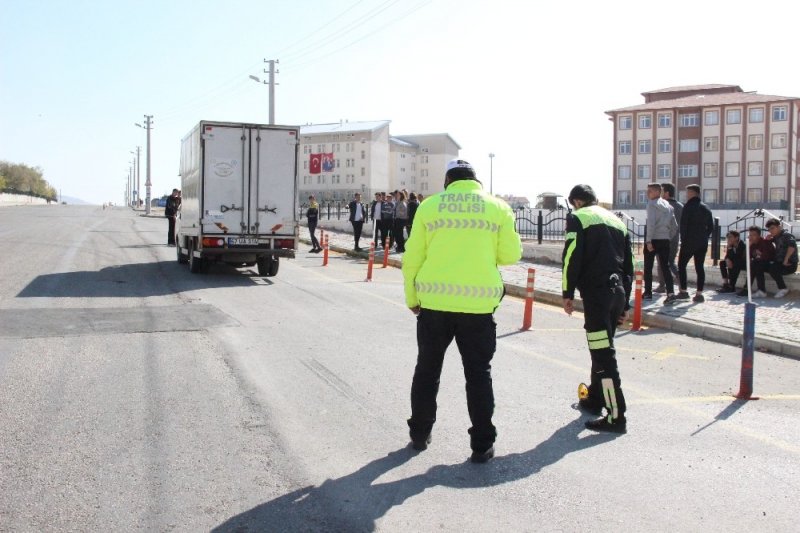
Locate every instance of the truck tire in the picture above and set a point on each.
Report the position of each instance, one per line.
(267, 266)
(195, 263)
(182, 257)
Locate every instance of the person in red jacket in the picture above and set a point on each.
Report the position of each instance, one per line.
(762, 252)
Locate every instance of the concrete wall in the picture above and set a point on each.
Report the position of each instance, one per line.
(20, 199)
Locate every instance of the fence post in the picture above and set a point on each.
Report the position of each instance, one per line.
(748, 340)
(637, 303)
(715, 241)
(329, 210)
(539, 226)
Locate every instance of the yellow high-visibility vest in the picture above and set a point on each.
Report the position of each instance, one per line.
(458, 239)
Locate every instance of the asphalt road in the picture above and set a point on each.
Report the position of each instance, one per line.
(137, 396)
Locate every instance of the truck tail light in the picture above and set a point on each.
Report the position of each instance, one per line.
(213, 242)
(287, 244)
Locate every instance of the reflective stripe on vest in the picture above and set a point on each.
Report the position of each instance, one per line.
(450, 289)
(461, 223)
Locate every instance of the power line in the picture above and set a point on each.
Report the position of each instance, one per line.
(337, 17)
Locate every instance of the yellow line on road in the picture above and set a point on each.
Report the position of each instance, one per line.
(710, 399)
(666, 353)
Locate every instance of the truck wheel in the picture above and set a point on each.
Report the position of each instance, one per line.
(195, 263)
(267, 266)
(182, 257)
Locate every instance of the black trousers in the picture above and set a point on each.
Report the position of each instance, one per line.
(757, 270)
(602, 307)
(476, 338)
(382, 232)
(312, 228)
(777, 270)
(731, 274)
(699, 256)
(660, 250)
(357, 227)
(399, 237)
(171, 230)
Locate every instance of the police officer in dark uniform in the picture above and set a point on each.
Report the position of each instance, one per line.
(598, 261)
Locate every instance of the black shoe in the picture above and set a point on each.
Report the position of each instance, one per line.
(671, 299)
(726, 288)
(482, 457)
(660, 290)
(698, 298)
(591, 408)
(602, 424)
(421, 445)
(647, 296)
(742, 292)
(682, 295)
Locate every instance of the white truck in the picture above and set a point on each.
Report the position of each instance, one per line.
(238, 196)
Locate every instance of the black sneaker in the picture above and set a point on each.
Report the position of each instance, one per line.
(647, 296)
(422, 444)
(682, 295)
(671, 299)
(742, 292)
(698, 298)
(591, 408)
(482, 457)
(660, 290)
(725, 289)
(602, 424)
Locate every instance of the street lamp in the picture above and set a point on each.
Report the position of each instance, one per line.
(148, 120)
(491, 159)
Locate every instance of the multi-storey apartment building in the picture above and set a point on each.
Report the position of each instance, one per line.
(340, 159)
(740, 147)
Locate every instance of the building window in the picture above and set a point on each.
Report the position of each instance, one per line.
(689, 120)
(756, 115)
(731, 196)
(712, 118)
(732, 142)
(664, 146)
(755, 168)
(305, 165)
(624, 197)
(734, 116)
(643, 172)
(624, 123)
(689, 145)
(711, 144)
(710, 170)
(645, 147)
(777, 194)
(624, 147)
(779, 113)
(755, 142)
(665, 171)
(423, 173)
(732, 169)
(687, 171)
(664, 120)
(777, 168)
(645, 121)
(754, 196)
(641, 197)
(363, 154)
(779, 140)
(709, 196)
(623, 172)
(363, 171)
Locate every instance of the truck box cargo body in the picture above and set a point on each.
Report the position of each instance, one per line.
(239, 192)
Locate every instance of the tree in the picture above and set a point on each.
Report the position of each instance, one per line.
(25, 179)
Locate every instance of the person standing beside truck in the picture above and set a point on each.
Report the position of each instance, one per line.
(312, 214)
(171, 212)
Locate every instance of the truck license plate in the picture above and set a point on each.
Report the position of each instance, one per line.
(242, 241)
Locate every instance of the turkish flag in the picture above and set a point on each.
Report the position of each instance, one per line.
(316, 163)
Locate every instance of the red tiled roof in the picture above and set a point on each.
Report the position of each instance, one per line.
(706, 100)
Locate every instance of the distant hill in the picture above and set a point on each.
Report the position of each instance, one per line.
(74, 201)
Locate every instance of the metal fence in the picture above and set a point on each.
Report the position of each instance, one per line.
(540, 225)
(329, 211)
(756, 217)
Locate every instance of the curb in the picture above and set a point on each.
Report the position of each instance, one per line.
(649, 318)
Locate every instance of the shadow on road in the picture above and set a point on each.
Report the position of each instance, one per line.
(354, 502)
(725, 414)
(137, 280)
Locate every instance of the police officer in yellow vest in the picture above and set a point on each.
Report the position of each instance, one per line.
(598, 261)
(453, 286)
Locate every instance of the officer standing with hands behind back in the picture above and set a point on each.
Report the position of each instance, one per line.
(598, 261)
(453, 286)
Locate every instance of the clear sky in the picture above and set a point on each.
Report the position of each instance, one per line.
(526, 80)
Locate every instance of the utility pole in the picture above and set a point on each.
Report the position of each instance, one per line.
(271, 82)
(148, 121)
(138, 175)
(491, 176)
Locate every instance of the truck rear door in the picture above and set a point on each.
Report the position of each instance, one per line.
(272, 181)
(226, 179)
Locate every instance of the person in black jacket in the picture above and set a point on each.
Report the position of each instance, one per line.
(358, 214)
(734, 263)
(312, 214)
(171, 212)
(785, 255)
(413, 204)
(598, 261)
(696, 227)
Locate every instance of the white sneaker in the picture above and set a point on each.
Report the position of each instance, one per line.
(781, 293)
(759, 294)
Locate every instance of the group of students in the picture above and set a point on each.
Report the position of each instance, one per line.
(393, 215)
(776, 255)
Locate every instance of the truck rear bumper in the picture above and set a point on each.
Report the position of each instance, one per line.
(243, 255)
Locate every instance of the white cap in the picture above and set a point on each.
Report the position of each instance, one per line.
(458, 163)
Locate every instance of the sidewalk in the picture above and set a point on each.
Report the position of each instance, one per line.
(720, 318)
